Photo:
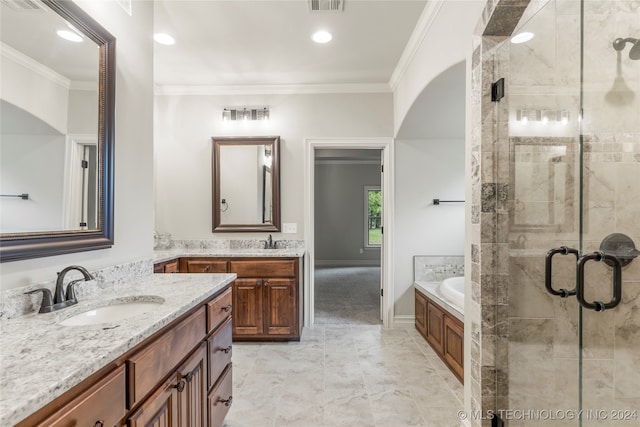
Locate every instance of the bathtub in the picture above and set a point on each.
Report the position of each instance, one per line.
(453, 290)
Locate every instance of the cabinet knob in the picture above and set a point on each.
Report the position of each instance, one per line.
(227, 402)
(99, 423)
(227, 308)
(188, 377)
(226, 350)
(180, 386)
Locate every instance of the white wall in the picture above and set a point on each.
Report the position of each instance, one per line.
(32, 164)
(83, 112)
(184, 126)
(426, 170)
(442, 39)
(44, 97)
(133, 150)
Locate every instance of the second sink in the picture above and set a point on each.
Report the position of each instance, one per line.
(116, 310)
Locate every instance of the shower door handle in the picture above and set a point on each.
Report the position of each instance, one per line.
(563, 250)
(610, 260)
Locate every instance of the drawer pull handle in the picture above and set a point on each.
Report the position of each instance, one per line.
(180, 386)
(226, 350)
(227, 402)
(227, 308)
(99, 423)
(207, 268)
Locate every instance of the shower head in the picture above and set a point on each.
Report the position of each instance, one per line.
(620, 43)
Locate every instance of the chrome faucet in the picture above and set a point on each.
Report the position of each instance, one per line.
(60, 299)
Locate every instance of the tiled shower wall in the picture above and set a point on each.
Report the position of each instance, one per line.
(524, 343)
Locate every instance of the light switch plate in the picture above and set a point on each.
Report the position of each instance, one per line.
(289, 227)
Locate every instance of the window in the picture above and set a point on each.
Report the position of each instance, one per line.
(373, 217)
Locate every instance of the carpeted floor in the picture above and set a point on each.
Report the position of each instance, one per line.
(347, 295)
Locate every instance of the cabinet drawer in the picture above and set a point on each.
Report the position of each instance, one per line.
(219, 400)
(219, 309)
(171, 267)
(202, 265)
(267, 268)
(219, 346)
(155, 361)
(104, 401)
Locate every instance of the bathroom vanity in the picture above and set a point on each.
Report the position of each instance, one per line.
(267, 296)
(443, 330)
(170, 365)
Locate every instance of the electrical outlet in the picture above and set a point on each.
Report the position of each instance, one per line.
(290, 227)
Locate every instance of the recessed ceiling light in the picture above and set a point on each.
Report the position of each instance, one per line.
(522, 37)
(164, 38)
(321, 37)
(69, 35)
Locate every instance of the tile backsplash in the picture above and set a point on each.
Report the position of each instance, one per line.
(434, 268)
(14, 303)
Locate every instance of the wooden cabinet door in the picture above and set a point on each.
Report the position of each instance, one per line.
(192, 394)
(453, 346)
(247, 307)
(435, 327)
(280, 308)
(421, 314)
(160, 410)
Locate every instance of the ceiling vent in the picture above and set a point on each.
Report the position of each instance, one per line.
(23, 5)
(326, 5)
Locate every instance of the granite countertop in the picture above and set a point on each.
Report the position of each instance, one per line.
(432, 290)
(166, 255)
(41, 359)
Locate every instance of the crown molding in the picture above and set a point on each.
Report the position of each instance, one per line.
(31, 64)
(426, 20)
(292, 89)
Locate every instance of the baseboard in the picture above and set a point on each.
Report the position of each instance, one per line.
(347, 263)
(404, 321)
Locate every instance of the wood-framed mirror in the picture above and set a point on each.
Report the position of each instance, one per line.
(57, 117)
(246, 183)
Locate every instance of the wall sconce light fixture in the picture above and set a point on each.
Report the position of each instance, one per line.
(245, 113)
(525, 116)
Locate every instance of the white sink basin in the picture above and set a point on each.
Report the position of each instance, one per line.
(114, 312)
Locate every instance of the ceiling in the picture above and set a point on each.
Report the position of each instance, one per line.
(31, 36)
(268, 42)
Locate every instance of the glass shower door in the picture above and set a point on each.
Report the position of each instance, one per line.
(610, 132)
(571, 358)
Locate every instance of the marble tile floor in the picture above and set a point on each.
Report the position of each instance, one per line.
(343, 375)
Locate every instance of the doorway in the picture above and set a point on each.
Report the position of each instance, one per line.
(348, 238)
(347, 259)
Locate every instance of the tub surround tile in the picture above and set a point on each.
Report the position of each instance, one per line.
(434, 268)
(63, 356)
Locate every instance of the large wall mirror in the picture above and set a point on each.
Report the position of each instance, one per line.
(246, 183)
(57, 98)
